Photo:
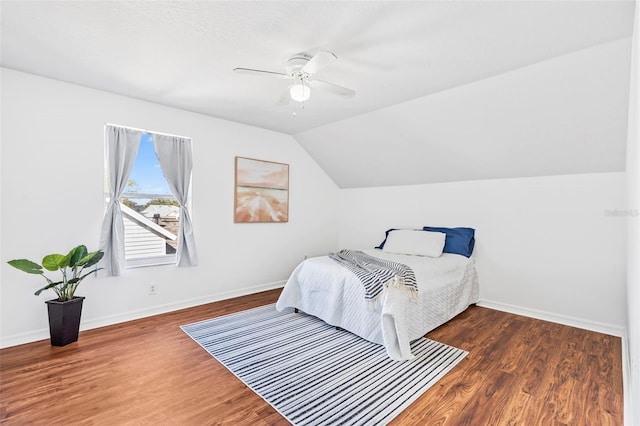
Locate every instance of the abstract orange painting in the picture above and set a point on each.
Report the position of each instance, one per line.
(262, 191)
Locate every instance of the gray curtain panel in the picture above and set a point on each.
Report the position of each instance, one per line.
(176, 162)
(121, 150)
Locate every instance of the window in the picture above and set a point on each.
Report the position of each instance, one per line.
(151, 214)
(147, 193)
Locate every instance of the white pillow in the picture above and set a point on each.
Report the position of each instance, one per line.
(417, 242)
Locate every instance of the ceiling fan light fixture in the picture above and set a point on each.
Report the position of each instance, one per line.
(300, 92)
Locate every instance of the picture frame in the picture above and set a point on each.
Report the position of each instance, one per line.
(261, 191)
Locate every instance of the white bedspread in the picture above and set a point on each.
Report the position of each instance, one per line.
(447, 285)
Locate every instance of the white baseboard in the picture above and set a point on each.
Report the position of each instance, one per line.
(35, 335)
(599, 327)
(626, 385)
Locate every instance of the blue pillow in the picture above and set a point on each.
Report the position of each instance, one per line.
(458, 240)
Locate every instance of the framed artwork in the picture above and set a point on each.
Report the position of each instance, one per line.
(262, 191)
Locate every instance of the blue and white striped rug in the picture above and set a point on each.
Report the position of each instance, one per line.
(313, 374)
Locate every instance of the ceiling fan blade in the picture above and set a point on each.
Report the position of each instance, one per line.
(330, 87)
(257, 72)
(285, 98)
(319, 61)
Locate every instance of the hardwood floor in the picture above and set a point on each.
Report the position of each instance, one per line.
(519, 371)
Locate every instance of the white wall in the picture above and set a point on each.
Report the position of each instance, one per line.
(632, 380)
(52, 185)
(547, 247)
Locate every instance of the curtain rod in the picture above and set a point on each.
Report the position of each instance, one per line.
(146, 131)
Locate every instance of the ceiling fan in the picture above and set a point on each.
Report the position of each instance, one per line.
(300, 68)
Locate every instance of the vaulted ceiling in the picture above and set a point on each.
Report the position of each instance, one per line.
(445, 91)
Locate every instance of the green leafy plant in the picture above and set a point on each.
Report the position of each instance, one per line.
(72, 266)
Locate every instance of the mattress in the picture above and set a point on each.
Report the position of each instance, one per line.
(321, 287)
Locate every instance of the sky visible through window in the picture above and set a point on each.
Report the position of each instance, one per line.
(146, 176)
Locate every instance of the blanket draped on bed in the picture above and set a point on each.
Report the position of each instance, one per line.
(377, 274)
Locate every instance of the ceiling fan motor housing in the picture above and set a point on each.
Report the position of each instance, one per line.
(296, 63)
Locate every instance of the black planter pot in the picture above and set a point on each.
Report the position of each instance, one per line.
(64, 320)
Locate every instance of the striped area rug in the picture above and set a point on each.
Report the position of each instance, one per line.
(313, 374)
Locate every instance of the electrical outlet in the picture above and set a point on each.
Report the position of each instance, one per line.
(153, 289)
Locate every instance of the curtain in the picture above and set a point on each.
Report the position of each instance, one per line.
(176, 162)
(121, 150)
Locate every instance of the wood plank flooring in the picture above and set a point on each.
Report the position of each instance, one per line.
(519, 371)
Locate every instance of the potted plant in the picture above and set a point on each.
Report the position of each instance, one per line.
(65, 311)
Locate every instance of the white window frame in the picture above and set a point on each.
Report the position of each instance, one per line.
(167, 259)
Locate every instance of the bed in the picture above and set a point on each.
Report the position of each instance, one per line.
(321, 287)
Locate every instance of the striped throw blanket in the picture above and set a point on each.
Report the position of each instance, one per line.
(377, 274)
